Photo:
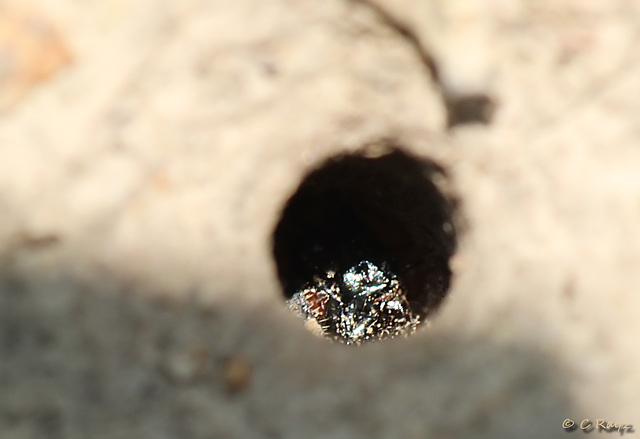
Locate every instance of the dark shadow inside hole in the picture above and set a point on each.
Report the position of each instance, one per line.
(386, 210)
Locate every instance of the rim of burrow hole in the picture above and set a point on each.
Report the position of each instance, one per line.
(379, 204)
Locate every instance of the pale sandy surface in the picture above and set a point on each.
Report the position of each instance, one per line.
(140, 185)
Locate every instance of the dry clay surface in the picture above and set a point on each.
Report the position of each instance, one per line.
(148, 147)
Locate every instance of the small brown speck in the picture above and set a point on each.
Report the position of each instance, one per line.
(38, 241)
(569, 289)
(236, 373)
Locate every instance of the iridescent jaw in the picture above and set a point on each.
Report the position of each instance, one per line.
(365, 303)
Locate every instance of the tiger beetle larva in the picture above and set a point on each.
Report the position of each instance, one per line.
(365, 303)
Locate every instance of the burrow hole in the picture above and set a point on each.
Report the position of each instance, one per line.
(386, 209)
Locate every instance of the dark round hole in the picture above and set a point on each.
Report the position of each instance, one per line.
(386, 210)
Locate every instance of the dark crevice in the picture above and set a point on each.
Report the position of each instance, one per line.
(407, 34)
(461, 109)
(466, 109)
